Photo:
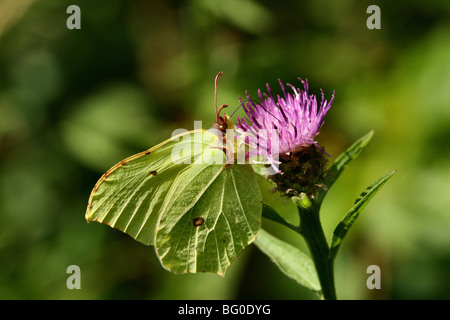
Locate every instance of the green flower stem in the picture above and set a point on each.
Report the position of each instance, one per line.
(311, 230)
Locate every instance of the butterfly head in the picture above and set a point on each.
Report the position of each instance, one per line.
(223, 122)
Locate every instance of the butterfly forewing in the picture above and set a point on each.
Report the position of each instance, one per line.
(130, 196)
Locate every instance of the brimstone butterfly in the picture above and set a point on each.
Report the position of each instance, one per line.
(198, 212)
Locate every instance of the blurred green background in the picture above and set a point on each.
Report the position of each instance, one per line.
(75, 102)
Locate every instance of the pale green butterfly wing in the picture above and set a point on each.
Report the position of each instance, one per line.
(129, 196)
(226, 204)
(200, 216)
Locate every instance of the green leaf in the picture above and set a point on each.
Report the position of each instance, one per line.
(199, 213)
(342, 162)
(270, 213)
(343, 227)
(290, 260)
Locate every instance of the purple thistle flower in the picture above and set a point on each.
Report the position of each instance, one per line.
(285, 124)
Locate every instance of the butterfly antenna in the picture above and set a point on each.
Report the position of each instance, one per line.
(243, 102)
(237, 109)
(215, 94)
(259, 104)
(269, 113)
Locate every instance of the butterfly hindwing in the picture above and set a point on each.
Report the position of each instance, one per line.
(226, 201)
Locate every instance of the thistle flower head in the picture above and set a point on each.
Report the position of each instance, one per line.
(297, 117)
(285, 128)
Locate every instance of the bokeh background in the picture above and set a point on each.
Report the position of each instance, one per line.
(75, 102)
